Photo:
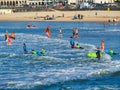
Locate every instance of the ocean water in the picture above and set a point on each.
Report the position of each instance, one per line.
(62, 68)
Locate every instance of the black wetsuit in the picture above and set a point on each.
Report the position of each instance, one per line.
(5, 37)
(98, 54)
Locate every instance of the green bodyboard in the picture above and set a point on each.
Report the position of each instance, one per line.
(93, 54)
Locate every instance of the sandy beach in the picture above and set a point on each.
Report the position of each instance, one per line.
(88, 16)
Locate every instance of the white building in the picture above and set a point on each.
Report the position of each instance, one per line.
(72, 1)
(103, 1)
(39, 2)
(12, 3)
(94, 1)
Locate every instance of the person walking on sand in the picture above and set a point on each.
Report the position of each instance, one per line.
(102, 45)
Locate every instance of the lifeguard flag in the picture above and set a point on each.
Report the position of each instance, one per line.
(108, 9)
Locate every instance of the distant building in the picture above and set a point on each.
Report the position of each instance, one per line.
(39, 2)
(104, 1)
(12, 3)
(74, 2)
(20, 3)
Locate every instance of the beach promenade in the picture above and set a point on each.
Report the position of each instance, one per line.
(88, 16)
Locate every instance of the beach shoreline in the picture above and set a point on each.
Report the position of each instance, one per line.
(63, 16)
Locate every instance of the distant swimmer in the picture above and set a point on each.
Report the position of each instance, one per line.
(104, 23)
(30, 26)
(78, 46)
(6, 35)
(43, 52)
(33, 52)
(72, 42)
(75, 33)
(102, 45)
(48, 32)
(60, 33)
(111, 52)
(98, 53)
(8, 40)
(25, 48)
(12, 36)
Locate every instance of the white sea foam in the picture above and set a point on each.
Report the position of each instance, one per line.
(59, 64)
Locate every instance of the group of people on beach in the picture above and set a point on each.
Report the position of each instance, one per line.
(9, 38)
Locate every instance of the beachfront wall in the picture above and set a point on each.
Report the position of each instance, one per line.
(12, 3)
(6, 11)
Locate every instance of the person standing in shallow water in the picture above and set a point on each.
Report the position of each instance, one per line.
(72, 42)
(75, 33)
(102, 45)
(48, 32)
(60, 33)
(25, 48)
(6, 35)
(8, 40)
(12, 36)
(98, 53)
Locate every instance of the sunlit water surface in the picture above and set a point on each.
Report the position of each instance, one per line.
(62, 68)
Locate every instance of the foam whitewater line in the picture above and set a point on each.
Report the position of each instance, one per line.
(53, 76)
(57, 42)
(74, 73)
(67, 51)
(113, 30)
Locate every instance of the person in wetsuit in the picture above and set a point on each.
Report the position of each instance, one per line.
(98, 53)
(25, 48)
(72, 42)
